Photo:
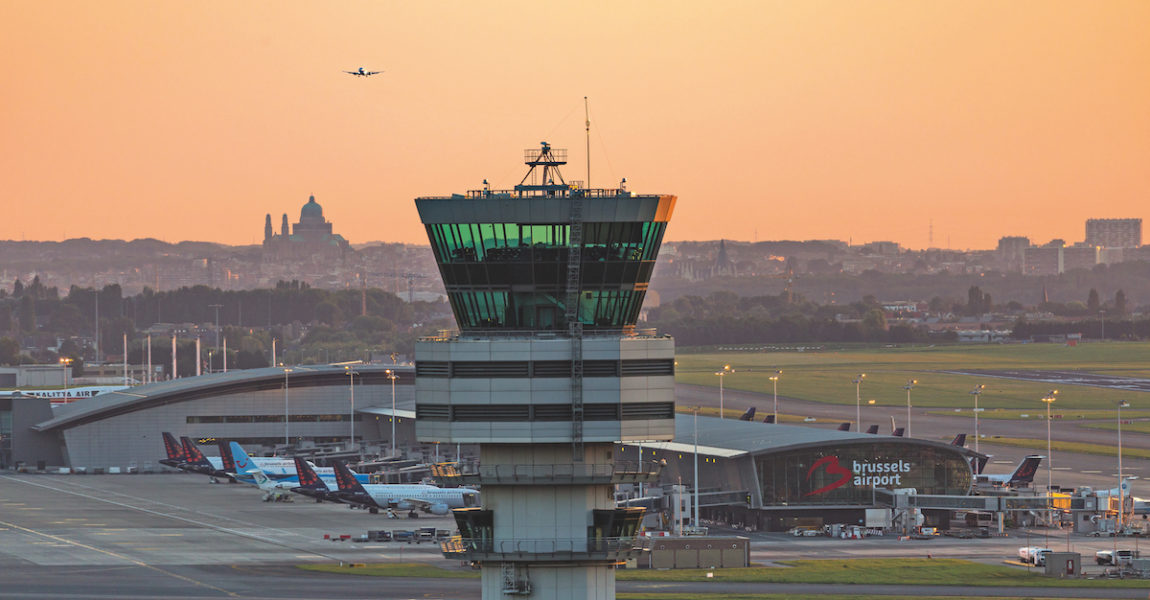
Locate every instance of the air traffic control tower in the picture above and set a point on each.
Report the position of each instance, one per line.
(546, 373)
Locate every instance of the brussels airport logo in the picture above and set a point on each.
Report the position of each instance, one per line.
(861, 473)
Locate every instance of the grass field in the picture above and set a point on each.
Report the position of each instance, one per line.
(826, 376)
(880, 571)
(1135, 427)
(1065, 415)
(626, 596)
(1073, 447)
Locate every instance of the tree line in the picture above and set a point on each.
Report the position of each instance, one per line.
(310, 325)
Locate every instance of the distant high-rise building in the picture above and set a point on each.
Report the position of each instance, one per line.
(1012, 251)
(1114, 233)
(1055, 258)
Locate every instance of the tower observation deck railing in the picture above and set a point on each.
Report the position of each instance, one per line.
(551, 191)
(626, 332)
(471, 472)
(543, 550)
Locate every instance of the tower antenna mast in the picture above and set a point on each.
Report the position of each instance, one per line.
(587, 116)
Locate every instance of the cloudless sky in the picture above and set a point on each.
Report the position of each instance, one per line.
(800, 119)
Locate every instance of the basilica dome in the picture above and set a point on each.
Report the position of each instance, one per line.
(311, 211)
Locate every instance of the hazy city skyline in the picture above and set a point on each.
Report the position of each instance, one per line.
(812, 120)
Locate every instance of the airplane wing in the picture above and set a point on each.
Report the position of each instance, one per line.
(416, 502)
(373, 72)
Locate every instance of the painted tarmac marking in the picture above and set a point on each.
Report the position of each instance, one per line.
(66, 541)
(171, 516)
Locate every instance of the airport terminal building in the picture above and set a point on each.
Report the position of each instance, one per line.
(259, 408)
(772, 477)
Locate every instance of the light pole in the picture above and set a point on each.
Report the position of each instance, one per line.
(1121, 492)
(351, 412)
(727, 370)
(65, 362)
(775, 383)
(858, 400)
(287, 412)
(976, 392)
(392, 376)
(217, 307)
(696, 520)
(1049, 399)
(908, 387)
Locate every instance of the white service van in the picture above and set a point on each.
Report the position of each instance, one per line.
(1033, 555)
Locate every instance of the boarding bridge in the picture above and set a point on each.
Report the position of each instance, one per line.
(978, 503)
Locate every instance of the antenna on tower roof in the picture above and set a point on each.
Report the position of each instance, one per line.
(587, 115)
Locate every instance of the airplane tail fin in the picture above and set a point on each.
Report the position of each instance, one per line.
(1026, 469)
(173, 448)
(226, 459)
(769, 419)
(959, 440)
(873, 430)
(898, 432)
(345, 479)
(749, 415)
(893, 427)
(192, 452)
(243, 463)
(978, 463)
(308, 480)
(845, 426)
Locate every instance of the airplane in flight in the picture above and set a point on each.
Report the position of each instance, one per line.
(1022, 475)
(402, 496)
(361, 73)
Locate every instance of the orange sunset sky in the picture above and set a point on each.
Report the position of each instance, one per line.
(770, 120)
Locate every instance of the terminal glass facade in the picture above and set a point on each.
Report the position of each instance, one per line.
(847, 474)
(5, 438)
(514, 276)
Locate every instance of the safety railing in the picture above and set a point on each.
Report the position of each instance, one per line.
(560, 549)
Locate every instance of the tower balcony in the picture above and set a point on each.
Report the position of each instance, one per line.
(543, 550)
(472, 472)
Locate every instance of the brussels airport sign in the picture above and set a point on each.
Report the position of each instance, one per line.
(860, 473)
